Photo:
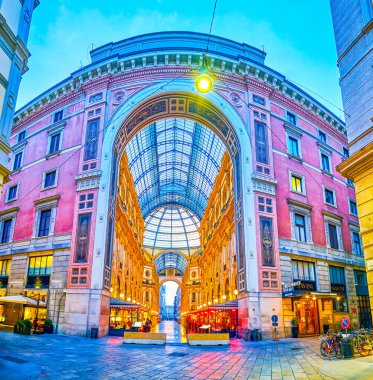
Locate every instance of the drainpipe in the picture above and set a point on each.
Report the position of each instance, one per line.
(58, 311)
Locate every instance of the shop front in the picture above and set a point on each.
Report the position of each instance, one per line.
(217, 318)
(124, 315)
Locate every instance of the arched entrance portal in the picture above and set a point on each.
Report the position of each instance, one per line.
(217, 114)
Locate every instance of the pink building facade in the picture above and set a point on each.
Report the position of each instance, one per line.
(296, 217)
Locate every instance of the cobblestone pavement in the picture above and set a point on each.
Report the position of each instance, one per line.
(61, 357)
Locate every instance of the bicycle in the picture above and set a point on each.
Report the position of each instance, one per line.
(330, 345)
(362, 342)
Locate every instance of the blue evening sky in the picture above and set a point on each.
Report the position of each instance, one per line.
(297, 36)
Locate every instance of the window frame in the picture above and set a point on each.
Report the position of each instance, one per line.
(309, 264)
(40, 206)
(7, 199)
(296, 208)
(15, 154)
(259, 100)
(325, 189)
(45, 177)
(324, 139)
(289, 113)
(10, 215)
(322, 153)
(302, 180)
(337, 223)
(352, 201)
(354, 229)
(59, 112)
(297, 139)
(23, 134)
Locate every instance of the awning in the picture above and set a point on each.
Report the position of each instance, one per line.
(121, 304)
(22, 300)
(225, 305)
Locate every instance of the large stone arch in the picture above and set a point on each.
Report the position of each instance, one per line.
(178, 99)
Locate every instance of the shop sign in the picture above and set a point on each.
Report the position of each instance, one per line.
(338, 288)
(306, 285)
(291, 285)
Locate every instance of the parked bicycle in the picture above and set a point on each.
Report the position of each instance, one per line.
(331, 345)
(362, 341)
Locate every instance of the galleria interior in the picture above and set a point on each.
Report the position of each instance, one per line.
(129, 177)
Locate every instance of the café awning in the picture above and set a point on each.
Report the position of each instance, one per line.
(121, 304)
(225, 305)
(27, 301)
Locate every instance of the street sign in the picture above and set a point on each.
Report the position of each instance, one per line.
(274, 318)
(345, 323)
(274, 324)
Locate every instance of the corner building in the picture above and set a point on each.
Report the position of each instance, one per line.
(124, 177)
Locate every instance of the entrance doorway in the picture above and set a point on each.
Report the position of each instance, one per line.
(306, 311)
(169, 301)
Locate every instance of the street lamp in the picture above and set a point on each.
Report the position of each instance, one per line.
(203, 81)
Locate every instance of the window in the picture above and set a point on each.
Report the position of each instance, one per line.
(293, 146)
(54, 145)
(21, 136)
(356, 243)
(291, 118)
(259, 100)
(261, 142)
(50, 179)
(346, 152)
(4, 268)
(12, 193)
(44, 222)
(350, 183)
(57, 116)
(353, 207)
(5, 234)
(337, 275)
(91, 140)
(333, 236)
(303, 270)
(329, 197)
(17, 161)
(325, 162)
(322, 136)
(297, 183)
(39, 271)
(300, 227)
(193, 297)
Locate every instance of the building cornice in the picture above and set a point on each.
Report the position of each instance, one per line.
(173, 62)
(53, 198)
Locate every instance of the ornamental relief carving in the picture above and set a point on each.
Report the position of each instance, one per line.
(87, 184)
(264, 187)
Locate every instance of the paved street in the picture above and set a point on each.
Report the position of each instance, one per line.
(59, 357)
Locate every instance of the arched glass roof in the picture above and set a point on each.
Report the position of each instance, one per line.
(172, 227)
(171, 260)
(174, 163)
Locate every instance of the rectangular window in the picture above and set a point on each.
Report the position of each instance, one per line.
(44, 223)
(4, 268)
(325, 162)
(329, 197)
(57, 116)
(346, 152)
(90, 152)
(353, 207)
(296, 183)
(21, 136)
(12, 192)
(259, 100)
(350, 183)
(5, 235)
(303, 270)
(357, 243)
(261, 143)
(293, 146)
(333, 236)
(291, 118)
(50, 179)
(322, 136)
(337, 275)
(54, 143)
(39, 271)
(300, 227)
(17, 161)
